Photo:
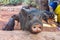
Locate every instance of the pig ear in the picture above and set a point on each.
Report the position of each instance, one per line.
(24, 12)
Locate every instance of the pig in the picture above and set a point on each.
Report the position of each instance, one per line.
(30, 20)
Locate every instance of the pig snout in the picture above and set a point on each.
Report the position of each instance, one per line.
(36, 25)
(36, 28)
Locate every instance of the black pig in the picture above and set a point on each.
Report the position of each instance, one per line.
(30, 19)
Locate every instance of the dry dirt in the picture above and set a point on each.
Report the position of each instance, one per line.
(48, 33)
(23, 35)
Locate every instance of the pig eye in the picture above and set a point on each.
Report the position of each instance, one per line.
(29, 17)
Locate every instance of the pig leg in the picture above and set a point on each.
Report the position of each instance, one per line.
(22, 21)
(16, 17)
(10, 25)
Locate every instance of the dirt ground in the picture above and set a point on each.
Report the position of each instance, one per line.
(48, 33)
(23, 35)
(6, 12)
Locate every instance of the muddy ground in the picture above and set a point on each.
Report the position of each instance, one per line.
(48, 33)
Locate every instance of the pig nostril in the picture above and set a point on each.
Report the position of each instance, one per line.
(40, 27)
(34, 27)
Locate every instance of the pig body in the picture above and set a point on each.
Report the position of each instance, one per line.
(30, 19)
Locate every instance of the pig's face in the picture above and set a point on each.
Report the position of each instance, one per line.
(34, 22)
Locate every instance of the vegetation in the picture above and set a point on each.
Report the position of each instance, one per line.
(5, 2)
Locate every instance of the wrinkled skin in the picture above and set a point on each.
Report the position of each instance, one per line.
(30, 20)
